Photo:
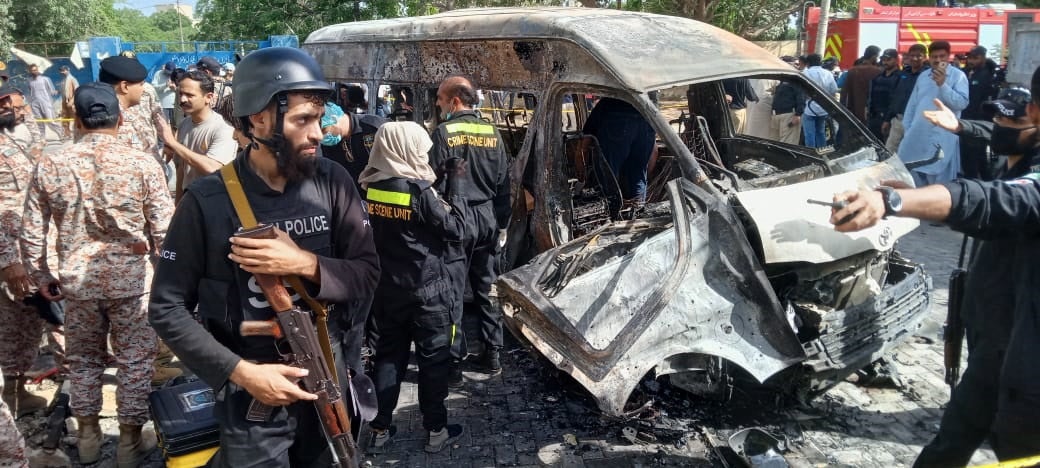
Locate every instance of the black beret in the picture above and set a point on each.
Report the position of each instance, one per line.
(119, 68)
(96, 100)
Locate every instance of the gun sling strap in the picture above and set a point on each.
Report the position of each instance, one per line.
(248, 220)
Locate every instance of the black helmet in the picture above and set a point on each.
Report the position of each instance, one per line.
(265, 73)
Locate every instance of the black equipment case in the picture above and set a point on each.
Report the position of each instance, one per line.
(184, 423)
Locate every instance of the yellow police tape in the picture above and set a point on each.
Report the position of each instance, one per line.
(1021, 462)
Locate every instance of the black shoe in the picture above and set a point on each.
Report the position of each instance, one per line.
(455, 381)
(489, 362)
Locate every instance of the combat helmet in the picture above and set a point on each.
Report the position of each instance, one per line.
(264, 74)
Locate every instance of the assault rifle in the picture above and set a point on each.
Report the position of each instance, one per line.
(295, 327)
(953, 330)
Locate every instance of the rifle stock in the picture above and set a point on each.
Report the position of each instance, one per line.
(296, 327)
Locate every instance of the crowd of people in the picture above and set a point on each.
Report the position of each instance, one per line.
(883, 90)
(385, 225)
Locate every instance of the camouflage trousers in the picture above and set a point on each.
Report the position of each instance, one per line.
(12, 445)
(90, 326)
(20, 336)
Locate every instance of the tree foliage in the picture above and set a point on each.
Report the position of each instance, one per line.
(60, 20)
(6, 26)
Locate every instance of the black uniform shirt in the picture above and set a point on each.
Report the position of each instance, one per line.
(788, 98)
(324, 215)
(981, 88)
(901, 95)
(352, 153)
(740, 90)
(1009, 211)
(415, 232)
(478, 142)
(882, 88)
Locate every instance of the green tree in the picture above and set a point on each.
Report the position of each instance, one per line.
(6, 29)
(60, 20)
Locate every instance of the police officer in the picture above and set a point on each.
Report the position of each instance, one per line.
(975, 162)
(111, 206)
(20, 334)
(1005, 211)
(881, 89)
(417, 299)
(348, 137)
(324, 238)
(987, 309)
(486, 190)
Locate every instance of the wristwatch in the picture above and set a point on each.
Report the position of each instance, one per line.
(893, 202)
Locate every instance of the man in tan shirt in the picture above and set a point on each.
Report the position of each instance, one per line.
(204, 142)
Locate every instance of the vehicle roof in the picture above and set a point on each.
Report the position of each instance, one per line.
(642, 50)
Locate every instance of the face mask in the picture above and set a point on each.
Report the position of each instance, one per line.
(331, 139)
(1005, 141)
(447, 115)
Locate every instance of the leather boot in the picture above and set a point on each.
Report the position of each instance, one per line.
(20, 400)
(90, 439)
(133, 446)
(162, 374)
(164, 355)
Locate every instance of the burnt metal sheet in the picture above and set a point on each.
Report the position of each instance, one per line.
(692, 287)
(637, 51)
(791, 230)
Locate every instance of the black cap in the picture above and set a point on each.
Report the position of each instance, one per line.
(96, 99)
(977, 51)
(119, 68)
(209, 64)
(169, 67)
(1010, 103)
(890, 53)
(8, 89)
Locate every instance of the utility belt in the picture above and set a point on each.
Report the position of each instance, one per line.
(783, 112)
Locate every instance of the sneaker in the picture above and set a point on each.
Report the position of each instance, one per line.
(443, 438)
(381, 440)
(489, 362)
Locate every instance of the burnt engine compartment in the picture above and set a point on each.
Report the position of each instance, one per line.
(848, 313)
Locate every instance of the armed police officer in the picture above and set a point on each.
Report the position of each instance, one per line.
(323, 238)
(987, 311)
(466, 136)
(1008, 212)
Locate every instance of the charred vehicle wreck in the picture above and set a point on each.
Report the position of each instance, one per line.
(726, 269)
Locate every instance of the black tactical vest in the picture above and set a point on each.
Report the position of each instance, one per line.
(227, 294)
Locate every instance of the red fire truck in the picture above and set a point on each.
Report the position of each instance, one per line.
(893, 27)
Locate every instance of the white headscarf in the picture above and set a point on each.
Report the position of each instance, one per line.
(399, 151)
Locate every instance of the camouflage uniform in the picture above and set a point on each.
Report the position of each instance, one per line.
(12, 445)
(138, 130)
(111, 207)
(20, 333)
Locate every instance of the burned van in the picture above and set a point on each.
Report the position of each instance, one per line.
(725, 269)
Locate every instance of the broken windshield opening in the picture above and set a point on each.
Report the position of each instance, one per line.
(749, 132)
